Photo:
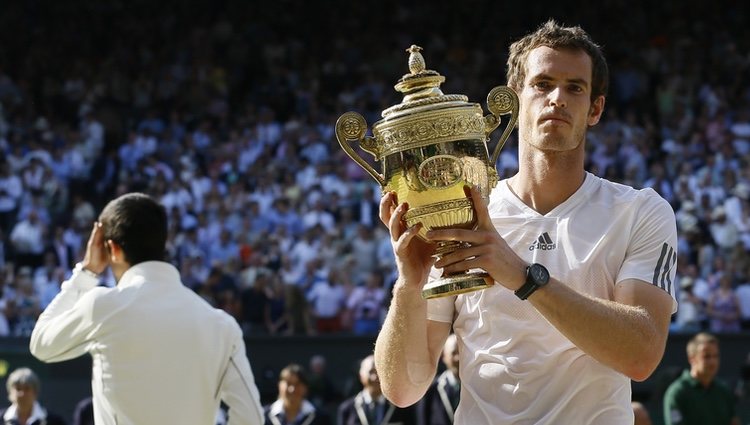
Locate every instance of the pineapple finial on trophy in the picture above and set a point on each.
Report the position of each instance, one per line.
(416, 61)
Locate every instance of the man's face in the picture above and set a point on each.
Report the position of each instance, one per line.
(705, 362)
(368, 376)
(22, 395)
(291, 389)
(555, 101)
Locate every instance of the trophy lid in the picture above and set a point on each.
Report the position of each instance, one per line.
(421, 87)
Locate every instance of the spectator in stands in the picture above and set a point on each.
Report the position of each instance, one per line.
(323, 391)
(743, 298)
(11, 191)
(3, 249)
(23, 388)
(297, 312)
(327, 299)
(723, 231)
(697, 397)
(27, 303)
(292, 407)
(369, 406)
(364, 250)
(279, 316)
(366, 303)
(691, 311)
(27, 239)
(256, 314)
(723, 308)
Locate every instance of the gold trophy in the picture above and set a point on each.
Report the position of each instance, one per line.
(430, 146)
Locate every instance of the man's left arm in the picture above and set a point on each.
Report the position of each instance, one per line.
(628, 332)
(238, 389)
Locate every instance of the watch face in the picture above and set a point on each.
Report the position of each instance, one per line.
(539, 274)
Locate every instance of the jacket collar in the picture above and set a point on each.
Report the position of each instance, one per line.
(277, 408)
(37, 413)
(149, 271)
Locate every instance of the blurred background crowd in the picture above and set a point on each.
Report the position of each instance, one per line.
(225, 111)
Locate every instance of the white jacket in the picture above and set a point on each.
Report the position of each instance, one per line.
(161, 354)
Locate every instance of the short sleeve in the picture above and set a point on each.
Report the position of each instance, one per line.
(652, 253)
(440, 309)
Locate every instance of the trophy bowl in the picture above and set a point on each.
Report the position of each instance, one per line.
(430, 146)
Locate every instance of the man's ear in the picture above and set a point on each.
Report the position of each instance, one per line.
(595, 112)
(115, 252)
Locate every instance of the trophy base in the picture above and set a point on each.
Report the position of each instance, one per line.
(457, 284)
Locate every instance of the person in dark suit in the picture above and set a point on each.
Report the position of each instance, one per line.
(439, 403)
(23, 391)
(367, 208)
(369, 406)
(292, 406)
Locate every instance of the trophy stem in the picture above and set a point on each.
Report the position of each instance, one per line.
(446, 247)
(458, 283)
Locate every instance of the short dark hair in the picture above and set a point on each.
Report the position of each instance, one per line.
(553, 35)
(137, 223)
(296, 370)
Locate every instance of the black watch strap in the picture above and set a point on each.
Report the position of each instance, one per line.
(536, 277)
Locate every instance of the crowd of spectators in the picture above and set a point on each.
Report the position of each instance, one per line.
(225, 113)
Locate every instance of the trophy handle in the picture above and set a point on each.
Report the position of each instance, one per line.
(352, 127)
(500, 101)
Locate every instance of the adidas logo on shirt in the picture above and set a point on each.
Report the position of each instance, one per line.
(543, 242)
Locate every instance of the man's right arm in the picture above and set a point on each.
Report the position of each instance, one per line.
(62, 330)
(408, 346)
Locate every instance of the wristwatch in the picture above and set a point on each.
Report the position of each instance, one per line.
(536, 277)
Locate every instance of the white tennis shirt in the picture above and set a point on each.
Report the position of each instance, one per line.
(161, 354)
(515, 367)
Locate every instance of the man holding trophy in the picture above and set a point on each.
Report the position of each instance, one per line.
(579, 271)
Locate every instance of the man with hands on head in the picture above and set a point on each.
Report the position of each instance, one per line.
(161, 354)
(584, 267)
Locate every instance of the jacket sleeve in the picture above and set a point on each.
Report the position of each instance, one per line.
(63, 330)
(238, 389)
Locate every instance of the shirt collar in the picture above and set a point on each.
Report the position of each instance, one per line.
(149, 271)
(694, 382)
(367, 398)
(37, 412)
(277, 408)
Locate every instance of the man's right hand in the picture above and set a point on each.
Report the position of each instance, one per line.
(97, 255)
(413, 255)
